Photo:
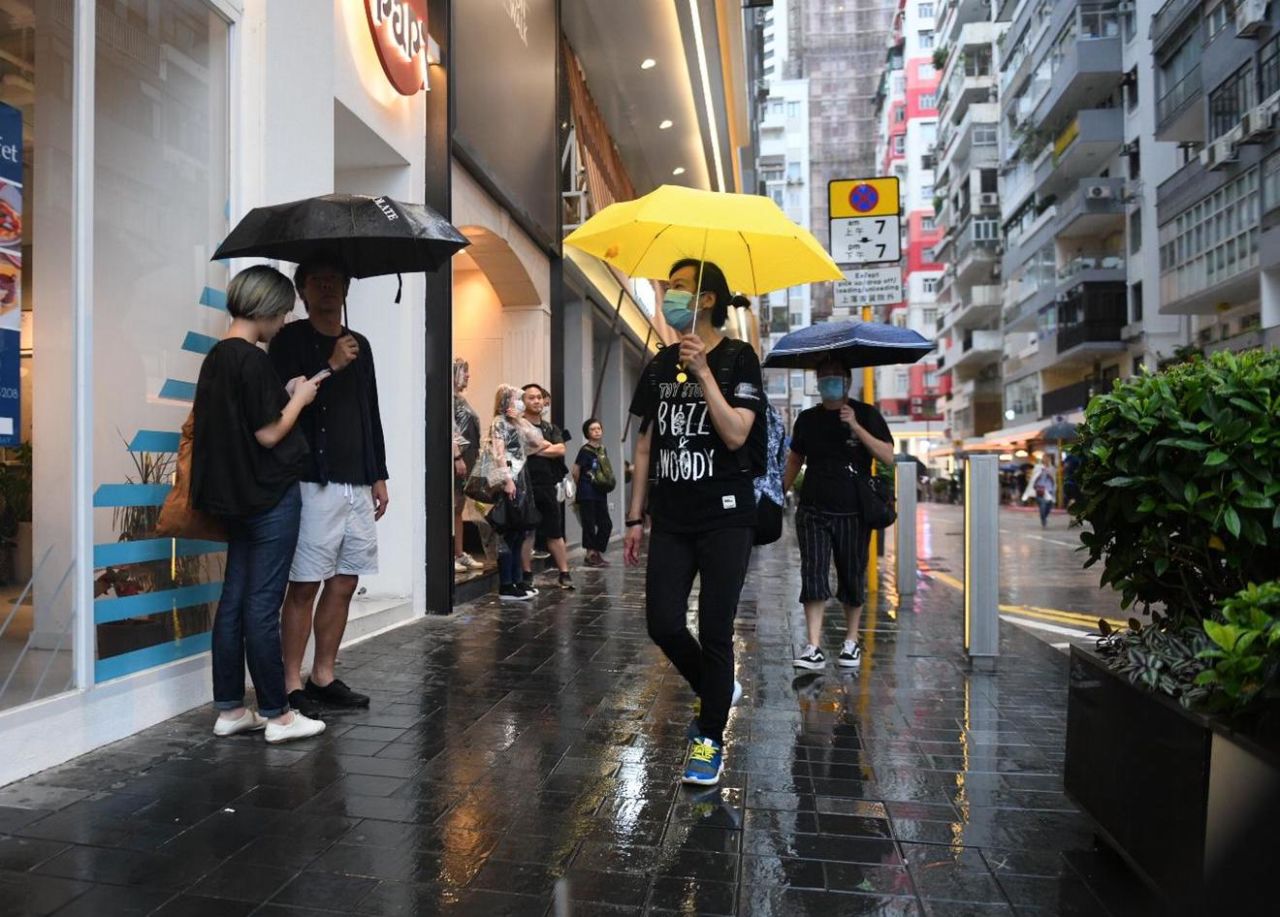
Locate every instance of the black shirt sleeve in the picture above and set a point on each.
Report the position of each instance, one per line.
(799, 435)
(874, 423)
(748, 383)
(262, 394)
(375, 414)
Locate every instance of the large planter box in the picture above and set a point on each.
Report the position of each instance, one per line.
(1191, 806)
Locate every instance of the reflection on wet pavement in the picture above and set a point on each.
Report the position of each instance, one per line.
(507, 748)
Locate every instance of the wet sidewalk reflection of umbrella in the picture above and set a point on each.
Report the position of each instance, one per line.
(367, 236)
(852, 343)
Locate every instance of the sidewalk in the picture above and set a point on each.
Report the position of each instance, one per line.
(506, 747)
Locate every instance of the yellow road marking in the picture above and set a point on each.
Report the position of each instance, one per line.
(1031, 611)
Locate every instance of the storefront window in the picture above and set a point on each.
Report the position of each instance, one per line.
(37, 632)
(160, 203)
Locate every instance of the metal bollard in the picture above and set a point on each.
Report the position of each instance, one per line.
(982, 559)
(904, 531)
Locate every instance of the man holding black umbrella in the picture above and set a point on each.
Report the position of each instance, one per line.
(344, 489)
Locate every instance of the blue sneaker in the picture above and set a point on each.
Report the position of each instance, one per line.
(704, 764)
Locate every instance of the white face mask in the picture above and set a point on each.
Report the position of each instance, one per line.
(519, 405)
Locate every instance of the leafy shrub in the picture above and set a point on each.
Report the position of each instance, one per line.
(1164, 660)
(1180, 480)
(1245, 651)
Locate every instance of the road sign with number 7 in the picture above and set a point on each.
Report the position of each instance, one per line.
(866, 240)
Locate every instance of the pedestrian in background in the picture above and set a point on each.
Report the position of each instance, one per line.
(547, 470)
(1044, 487)
(466, 427)
(834, 442)
(344, 486)
(701, 405)
(247, 457)
(593, 475)
(512, 439)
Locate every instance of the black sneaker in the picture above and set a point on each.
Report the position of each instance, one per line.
(850, 655)
(512, 593)
(530, 590)
(566, 581)
(811, 658)
(336, 694)
(299, 700)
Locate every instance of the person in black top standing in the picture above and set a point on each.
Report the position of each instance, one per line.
(700, 406)
(344, 487)
(546, 470)
(589, 469)
(834, 441)
(247, 454)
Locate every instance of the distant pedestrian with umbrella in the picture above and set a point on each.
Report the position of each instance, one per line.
(1043, 486)
(344, 487)
(698, 404)
(834, 442)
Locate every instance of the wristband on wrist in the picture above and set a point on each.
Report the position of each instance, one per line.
(631, 522)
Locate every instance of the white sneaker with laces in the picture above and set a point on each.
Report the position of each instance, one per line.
(812, 658)
(470, 562)
(248, 722)
(301, 727)
(850, 654)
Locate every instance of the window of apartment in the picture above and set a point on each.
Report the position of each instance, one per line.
(1135, 232)
(1131, 89)
(988, 181)
(771, 173)
(1179, 77)
(1211, 241)
(1135, 302)
(930, 284)
(927, 72)
(926, 39)
(793, 171)
(901, 379)
(1271, 182)
(900, 144)
(899, 113)
(1217, 18)
(926, 11)
(929, 100)
(1269, 68)
(899, 82)
(930, 318)
(900, 318)
(793, 109)
(1135, 160)
(986, 230)
(1129, 23)
(1230, 101)
(986, 135)
(928, 224)
(776, 194)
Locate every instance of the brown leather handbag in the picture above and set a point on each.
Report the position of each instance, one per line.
(178, 518)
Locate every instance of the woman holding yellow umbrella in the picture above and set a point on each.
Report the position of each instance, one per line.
(701, 439)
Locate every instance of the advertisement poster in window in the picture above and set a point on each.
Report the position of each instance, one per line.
(10, 275)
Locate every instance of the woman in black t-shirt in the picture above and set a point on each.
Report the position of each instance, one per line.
(247, 456)
(700, 406)
(834, 442)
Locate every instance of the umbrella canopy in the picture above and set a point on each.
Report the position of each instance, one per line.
(853, 343)
(368, 236)
(1059, 431)
(748, 236)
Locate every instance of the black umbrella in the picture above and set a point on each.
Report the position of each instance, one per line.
(1059, 431)
(853, 343)
(367, 236)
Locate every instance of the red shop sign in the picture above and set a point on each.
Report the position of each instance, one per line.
(399, 29)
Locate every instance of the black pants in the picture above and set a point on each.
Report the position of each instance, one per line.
(825, 537)
(720, 557)
(597, 524)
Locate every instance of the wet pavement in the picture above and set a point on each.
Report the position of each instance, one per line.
(509, 747)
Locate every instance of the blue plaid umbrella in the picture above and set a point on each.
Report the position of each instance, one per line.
(853, 343)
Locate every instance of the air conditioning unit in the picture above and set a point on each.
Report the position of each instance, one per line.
(1218, 155)
(988, 199)
(1251, 17)
(1099, 192)
(1256, 124)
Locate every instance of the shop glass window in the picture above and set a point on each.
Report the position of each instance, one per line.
(38, 568)
(160, 201)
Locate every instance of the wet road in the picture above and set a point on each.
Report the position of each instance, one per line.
(507, 748)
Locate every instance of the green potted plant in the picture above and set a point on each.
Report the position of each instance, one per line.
(1180, 507)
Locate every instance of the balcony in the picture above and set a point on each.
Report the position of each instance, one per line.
(1068, 399)
(1168, 19)
(1081, 149)
(1178, 117)
(1086, 341)
(1087, 71)
(1094, 209)
(1099, 268)
(976, 251)
(978, 349)
(980, 307)
(1025, 314)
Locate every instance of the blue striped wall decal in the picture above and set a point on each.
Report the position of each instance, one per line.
(178, 390)
(214, 299)
(151, 603)
(154, 441)
(118, 553)
(149, 657)
(198, 343)
(113, 495)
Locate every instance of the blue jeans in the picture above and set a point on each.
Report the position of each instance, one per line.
(246, 627)
(1046, 504)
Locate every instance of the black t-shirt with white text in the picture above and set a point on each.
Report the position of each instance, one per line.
(698, 483)
(548, 472)
(829, 448)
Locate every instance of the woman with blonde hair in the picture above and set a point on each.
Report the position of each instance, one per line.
(512, 439)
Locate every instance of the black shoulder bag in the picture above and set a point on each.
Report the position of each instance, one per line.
(875, 503)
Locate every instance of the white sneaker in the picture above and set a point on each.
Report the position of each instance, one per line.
(737, 693)
(812, 658)
(301, 727)
(850, 655)
(470, 562)
(248, 722)
(459, 566)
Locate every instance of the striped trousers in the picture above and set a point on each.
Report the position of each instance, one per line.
(827, 537)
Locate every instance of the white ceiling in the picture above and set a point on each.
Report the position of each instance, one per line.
(611, 38)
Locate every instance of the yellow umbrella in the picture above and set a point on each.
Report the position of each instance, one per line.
(748, 236)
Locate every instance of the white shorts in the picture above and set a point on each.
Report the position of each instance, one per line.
(337, 535)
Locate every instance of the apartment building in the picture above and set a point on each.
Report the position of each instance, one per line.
(1217, 86)
(969, 297)
(907, 111)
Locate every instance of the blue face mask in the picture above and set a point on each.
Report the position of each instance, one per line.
(832, 388)
(675, 309)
